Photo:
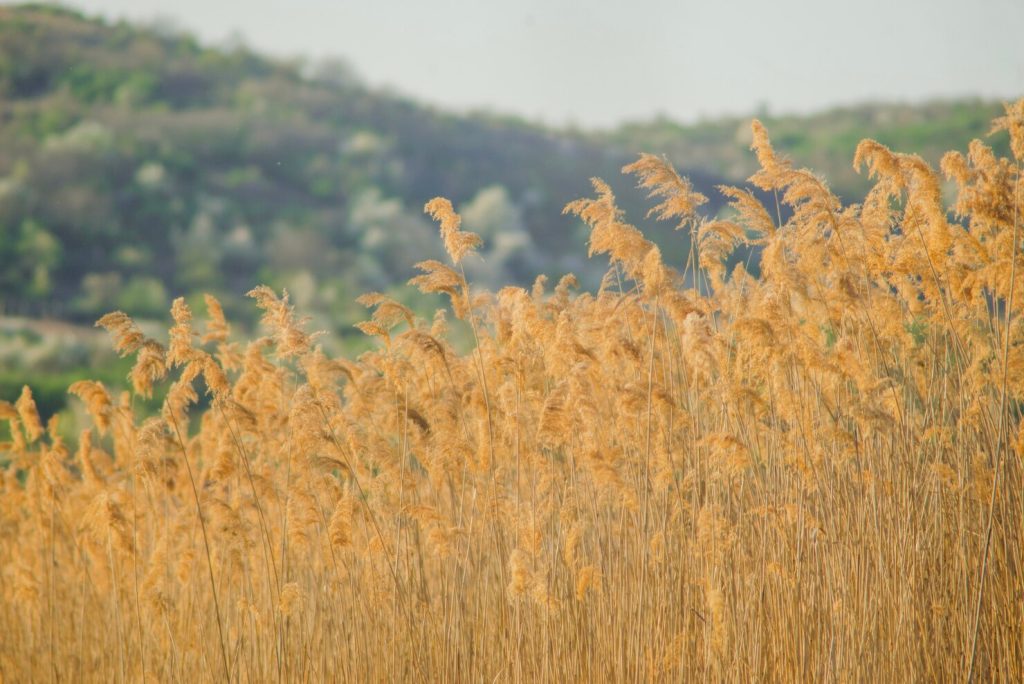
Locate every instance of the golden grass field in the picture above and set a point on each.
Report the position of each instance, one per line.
(809, 474)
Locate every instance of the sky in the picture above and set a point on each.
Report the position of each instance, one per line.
(599, 63)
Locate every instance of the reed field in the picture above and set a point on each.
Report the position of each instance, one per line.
(802, 465)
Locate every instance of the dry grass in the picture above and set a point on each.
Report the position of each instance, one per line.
(812, 474)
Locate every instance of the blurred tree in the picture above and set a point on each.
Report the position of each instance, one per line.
(508, 249)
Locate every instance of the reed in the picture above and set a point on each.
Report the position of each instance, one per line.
(811, 472)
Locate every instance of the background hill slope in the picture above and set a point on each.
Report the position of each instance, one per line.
(136, 164)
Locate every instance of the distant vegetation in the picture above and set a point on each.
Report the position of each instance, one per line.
(136, 165)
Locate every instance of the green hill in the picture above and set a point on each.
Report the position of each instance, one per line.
(137, 164)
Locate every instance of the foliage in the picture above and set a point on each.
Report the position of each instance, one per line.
(136, 159)
(134, 155)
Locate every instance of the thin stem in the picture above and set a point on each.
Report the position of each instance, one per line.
(1001, 438)
(206, 546)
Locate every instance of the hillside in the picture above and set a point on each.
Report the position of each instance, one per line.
(137, 164)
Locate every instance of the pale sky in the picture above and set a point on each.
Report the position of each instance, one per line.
(599, 63)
